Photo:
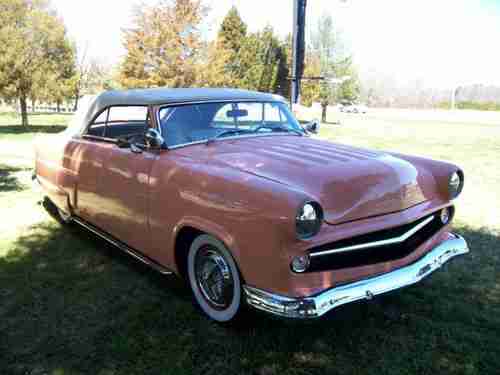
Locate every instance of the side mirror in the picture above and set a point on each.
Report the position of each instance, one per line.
(312, 127)
(153, 139)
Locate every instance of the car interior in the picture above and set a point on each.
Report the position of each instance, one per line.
(120, 123)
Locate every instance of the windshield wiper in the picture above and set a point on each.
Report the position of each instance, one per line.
(295, 131)
(279, 127)
(225, 133)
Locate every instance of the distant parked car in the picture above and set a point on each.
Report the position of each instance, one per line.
(227, 190)
(353, 108)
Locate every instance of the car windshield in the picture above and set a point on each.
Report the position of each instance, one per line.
(191, 123)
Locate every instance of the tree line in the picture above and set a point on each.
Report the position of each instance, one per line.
(38, 61)
(165, 47)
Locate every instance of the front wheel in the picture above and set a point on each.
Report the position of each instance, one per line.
(214, 279)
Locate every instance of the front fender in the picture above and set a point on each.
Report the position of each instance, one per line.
(209, 227)
(253, 216)
(440, 170)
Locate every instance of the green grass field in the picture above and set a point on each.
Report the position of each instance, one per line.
(71, 304)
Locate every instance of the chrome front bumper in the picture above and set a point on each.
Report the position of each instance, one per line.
(318, 305)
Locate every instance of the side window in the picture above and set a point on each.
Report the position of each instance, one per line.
(102, 118)
(127, 114)
(96, 129)
(120, 122)
(126, 122)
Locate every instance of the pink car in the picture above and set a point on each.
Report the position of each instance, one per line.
(227, 190)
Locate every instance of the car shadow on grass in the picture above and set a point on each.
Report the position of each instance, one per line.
(71, 303)
(9, 182)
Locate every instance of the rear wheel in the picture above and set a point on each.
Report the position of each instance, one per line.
(214, 279)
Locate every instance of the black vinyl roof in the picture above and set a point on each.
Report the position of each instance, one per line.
(158, 96)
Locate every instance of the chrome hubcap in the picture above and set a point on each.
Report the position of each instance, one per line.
(214, 278)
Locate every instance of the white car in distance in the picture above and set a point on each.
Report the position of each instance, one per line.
(353, 108)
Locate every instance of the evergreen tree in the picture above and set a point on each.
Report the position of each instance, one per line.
(164, 45)
(232, 30)
(212, 67)
(231, 36)
(263, 63)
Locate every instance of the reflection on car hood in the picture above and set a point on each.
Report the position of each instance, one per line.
(350, 183)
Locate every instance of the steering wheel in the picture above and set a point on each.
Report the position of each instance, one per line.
(132, 135)
(128, 139)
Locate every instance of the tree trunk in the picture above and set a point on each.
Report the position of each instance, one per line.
(75, 107)
(24, 110)
(33, 105)
(58, 107)
(323, 113)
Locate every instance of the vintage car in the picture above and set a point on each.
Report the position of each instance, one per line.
(349, 107)
(224, 188)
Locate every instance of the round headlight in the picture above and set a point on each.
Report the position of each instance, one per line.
(455, 184)
(308, 220)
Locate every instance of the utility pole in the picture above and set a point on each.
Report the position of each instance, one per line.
(298, 47)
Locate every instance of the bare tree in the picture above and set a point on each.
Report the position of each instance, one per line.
(92, 76)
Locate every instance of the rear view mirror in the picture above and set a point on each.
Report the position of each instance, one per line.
(235, 113)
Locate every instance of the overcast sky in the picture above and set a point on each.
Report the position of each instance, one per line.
(440, 43)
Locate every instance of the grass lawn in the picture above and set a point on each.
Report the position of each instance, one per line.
(15, 140)
(71, 304)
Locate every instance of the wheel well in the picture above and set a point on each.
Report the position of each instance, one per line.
(184, 239)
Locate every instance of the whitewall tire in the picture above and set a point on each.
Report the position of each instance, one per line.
(214, 278)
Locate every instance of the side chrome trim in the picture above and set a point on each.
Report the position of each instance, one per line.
(319, 304)
(390, 241)
(134, 253)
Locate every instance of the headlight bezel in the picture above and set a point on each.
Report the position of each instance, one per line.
(306, 229)
(455, 190)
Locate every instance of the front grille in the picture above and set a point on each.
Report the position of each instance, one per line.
(375, 254)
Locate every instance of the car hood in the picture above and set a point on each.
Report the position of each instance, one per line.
(350, 183)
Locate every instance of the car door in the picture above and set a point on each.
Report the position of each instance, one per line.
(85, 156)
(124, 181)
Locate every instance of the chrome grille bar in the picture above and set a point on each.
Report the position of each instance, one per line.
(389, 241)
